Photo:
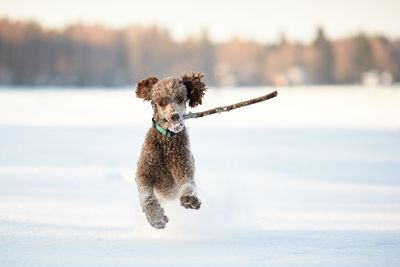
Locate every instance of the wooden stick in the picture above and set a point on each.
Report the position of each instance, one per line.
(191, 115)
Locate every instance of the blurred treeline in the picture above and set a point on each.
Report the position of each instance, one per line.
(98, 56)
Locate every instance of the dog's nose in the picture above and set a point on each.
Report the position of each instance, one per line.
(174, 117)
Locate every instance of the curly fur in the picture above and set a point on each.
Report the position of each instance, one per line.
(196, 88)
(143, 89)
(166, 165)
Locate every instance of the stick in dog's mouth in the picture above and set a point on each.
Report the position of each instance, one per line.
(178, 126)
(191, 115)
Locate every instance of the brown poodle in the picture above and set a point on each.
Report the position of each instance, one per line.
(165, 168)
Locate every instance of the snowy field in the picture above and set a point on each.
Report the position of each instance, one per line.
(310, 178)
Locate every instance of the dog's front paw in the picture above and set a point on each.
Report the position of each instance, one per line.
(158, 222)
(155, 214)
(190, 202)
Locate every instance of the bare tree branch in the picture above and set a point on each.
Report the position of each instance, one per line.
(191, 115)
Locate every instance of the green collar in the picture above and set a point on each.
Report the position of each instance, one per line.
(161, 130)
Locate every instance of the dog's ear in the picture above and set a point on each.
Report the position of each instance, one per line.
(195, 88)
(143, 89)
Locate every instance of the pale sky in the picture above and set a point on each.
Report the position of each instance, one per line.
(254, 19)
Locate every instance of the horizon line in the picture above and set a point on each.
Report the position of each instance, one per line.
(194, 35)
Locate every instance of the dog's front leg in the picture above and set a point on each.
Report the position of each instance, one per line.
(188, 195)
(183, 174)
(152, 208)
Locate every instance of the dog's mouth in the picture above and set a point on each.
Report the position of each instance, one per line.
(175, 126)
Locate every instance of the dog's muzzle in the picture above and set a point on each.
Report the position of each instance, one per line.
(175, 123)
(176, 126)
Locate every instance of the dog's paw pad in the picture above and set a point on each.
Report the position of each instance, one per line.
(190, 202)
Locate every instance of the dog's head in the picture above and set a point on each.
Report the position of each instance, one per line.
(170, 96)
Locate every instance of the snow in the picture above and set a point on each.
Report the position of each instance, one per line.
(311, 178)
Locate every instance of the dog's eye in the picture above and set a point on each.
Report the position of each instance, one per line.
(180, 100)
(163, 102)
